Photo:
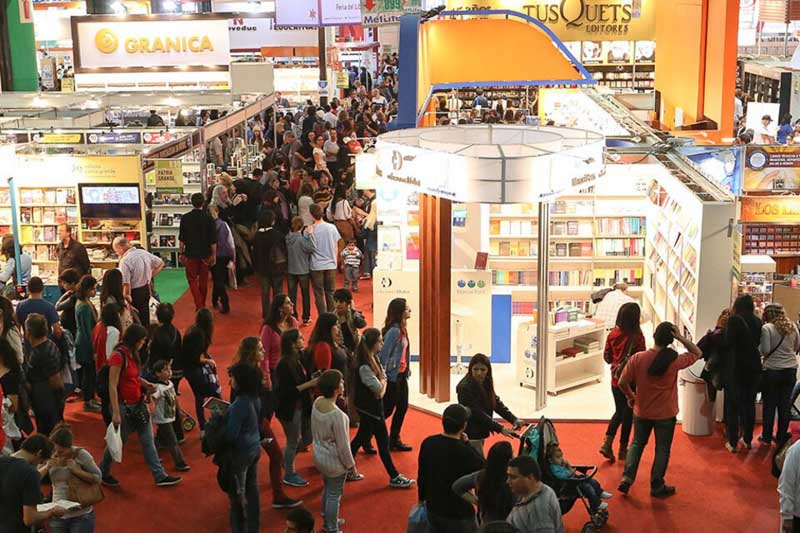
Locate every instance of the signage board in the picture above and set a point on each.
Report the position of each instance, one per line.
(114, 138)
(317, 12)
(580, 20)
(58, 138)
(771, 168)
(152, 42)
(247, 34)
(169, 174)
(382, 12)
(774, 209)
(722, 164)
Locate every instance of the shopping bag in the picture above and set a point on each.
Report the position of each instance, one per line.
(232, 281)
(418, 519)
(114, 442)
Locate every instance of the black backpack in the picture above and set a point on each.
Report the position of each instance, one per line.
(215, 438)
(103, 379)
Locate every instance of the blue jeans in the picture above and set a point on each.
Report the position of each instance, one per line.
(244, 496)
(78, 524)
(592, 490)
(664, 431)
(332, 489)
(148, 449)
(291, 428)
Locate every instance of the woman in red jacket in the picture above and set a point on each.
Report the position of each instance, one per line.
(280, 319)
(622, 342)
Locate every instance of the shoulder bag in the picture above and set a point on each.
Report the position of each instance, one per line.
(624, 361)
(761, 379)
(83, 492)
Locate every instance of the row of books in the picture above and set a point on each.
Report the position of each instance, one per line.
(579, 207)
(41, 252)
(163, 241)
(598, 278)
(518, 248)
(586, 344)
(528, 308)
(513, 227)
(606, 277)
(169, 219)
(181, 199)
(570, 227)
(48, 215)
(35, 234)
(571, 249)
(620, 226)
(60, 195)
(620, 247)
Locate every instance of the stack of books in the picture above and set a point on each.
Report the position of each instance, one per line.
(586, 344)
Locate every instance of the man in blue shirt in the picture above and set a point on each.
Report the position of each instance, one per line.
(323, 260)
(36, 304)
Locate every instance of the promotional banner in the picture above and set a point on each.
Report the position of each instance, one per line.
(169, 174)
(154, 41)
(388, 285)
(381, 12)
(721, 164)
(255, 33)
(79, 169)
(317, 12)
(114, 138)
(580, 20)
(771, 168)
(158, 138)
(58, 138)
(774, 209)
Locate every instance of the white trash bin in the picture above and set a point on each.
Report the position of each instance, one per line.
(697, 416)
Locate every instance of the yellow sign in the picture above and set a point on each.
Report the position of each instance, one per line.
(774, 209)
(580, 20)
(168, 44)
(169, 173)
(69, 170)
(60, 138)
(106, 41)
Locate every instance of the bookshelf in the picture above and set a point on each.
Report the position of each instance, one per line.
(170, 205)
(594, 240)
(41, 210)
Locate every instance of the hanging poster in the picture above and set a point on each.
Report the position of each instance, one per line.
(721, 164)
(772, 168)
(382, 12)
(169, 174)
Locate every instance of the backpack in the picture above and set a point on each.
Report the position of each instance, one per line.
(103, 378)
(277, 255)
(215, 437)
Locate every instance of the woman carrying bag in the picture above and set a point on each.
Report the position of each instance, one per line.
(779, 345)
(75, 477)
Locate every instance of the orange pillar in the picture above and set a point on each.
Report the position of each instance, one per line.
(434, 265)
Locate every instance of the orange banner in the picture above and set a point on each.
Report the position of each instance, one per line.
(775, 209)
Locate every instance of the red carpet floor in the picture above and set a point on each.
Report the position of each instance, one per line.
(716, 491)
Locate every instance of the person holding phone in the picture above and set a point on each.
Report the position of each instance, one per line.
(655, 403)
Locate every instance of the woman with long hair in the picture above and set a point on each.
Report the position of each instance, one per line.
(128, 408)
(395, 358)
(622, 342)
(779, 345)
(251, 353)
(10, 328)
(655, 403)
(86, 319)
(280, 319)
(198, 366)
(11, 381)
(492, 495)
(322, 344)
(111, 292)
(293, 400)
(69, 461)
(105, 337)
(370, 389)
(476, 392)
(743, 335)
(341, 213)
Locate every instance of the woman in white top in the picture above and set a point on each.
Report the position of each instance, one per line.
(304, 201)
(332, 456)
(779, 345)
(320, 163)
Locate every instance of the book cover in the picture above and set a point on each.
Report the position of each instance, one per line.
(586, 249)
(61, 196)
(481, 260)
(50, 196)
(505, 248)
(574, 249)
(37, 215)
(561, 249)
(49, 215)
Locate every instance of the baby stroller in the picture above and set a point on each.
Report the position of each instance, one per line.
(534, 442)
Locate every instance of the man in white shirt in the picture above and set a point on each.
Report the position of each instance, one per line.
(139, 267)
(764, 133)
(789, 489)
(323, 260)
(608, 308)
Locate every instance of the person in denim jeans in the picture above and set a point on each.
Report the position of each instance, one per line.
(779, 345)
(323, 260)
(243, 434)
(67, 462)
(127, 408)
(655, 403)
(300, 245)
(293, 397)
(394, 357)
(332, 456)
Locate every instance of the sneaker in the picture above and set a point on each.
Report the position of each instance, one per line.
(183, 468)
(369, 450)
(286, 503)
(399, 446)
(91, 407)
(624, 486)
(764, 440)
(168, 481)
(606, 495)
(110, 481)
(603, 506)
(664, 492)
(355, 476)
(401, 482)
(747, 444)
(294, 480)
(730, 447)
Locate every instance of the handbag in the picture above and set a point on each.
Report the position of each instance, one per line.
(137, 415)
(761, 380)
(624, 361)
(83, 492)
(211, 381)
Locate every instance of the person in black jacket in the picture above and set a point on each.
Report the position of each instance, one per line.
(476, 391)
(742, 335)
(271, 260)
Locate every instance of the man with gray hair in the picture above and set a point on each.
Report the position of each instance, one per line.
(138, 267)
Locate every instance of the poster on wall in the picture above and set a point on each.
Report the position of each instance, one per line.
(592, 52)
(645, 52)
(771, 168)
(254, 33)
(317, 12)
(108, 43)
(617, 52)
(471, 300)
(772, 209)
(169, 174)
(721, 164)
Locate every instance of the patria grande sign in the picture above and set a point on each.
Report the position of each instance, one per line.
(579, 20)
(150, 42)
